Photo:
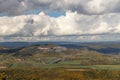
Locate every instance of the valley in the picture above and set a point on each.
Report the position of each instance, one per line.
(74, 58)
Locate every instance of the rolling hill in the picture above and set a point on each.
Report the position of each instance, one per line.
(62, 55)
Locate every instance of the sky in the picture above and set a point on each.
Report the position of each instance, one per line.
(60, 20)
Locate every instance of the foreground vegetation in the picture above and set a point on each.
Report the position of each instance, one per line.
(59, 74)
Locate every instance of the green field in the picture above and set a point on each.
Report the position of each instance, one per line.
(66, 64)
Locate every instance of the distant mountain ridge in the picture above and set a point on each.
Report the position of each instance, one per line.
(22, 44)
(105, 48)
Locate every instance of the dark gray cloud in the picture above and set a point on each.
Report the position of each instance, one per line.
(11, 7)
(17, 7)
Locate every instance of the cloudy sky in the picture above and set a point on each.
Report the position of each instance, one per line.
(59, 20)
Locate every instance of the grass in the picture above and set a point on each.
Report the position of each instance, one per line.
(107, 67)
(70, 63)
(67, 64)
(99, 67)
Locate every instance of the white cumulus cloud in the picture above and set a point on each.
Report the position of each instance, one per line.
(72, 23)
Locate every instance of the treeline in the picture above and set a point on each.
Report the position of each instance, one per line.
(59, 74)
(14, 50)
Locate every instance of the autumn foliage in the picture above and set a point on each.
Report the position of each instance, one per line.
(58, 74)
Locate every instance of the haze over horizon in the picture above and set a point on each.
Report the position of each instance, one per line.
(59, 20)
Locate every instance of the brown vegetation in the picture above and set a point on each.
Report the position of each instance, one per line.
(60, 74)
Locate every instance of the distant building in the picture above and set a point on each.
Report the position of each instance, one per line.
(56, 48)
(43, 48)
(59, 48)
